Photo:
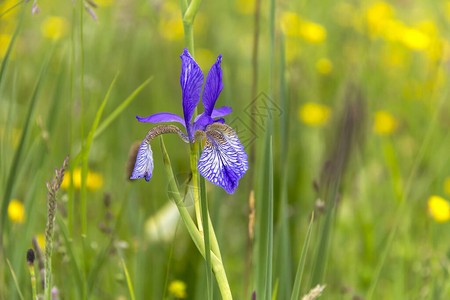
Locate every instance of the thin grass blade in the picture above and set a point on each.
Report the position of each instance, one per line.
(15, 280)
(127, 275)
(18, 154)
(301, 265)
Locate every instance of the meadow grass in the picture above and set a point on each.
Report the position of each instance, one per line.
(341, 106)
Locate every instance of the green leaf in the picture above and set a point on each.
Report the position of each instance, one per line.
(301, 265)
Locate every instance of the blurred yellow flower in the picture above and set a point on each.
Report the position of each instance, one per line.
(314, 114)
(94, 181)
(41, 240)
(104, 2)
(377, 15)
(447, 185)
(178, 289)
(245, 7)
(170, 24)
(324, 66)
(384, 123)
(415, 39)
(312, 32)
(54, 27)
(439, 209)
(16, 211)
(4, 44)
(290, 24)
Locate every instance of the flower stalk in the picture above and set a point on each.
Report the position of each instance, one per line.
(53, 187)
(195, 182)
(197, 237)
(189, 12)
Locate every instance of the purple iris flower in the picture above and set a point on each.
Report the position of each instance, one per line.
(223, 160)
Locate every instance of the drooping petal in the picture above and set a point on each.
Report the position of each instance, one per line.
(223, 160)
(213, 86)
(143, 167)
(162, 118)
(191, 85)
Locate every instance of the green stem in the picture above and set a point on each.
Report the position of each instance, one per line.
(193, 161)
(189, 13)
(197, 238)
(84, 163)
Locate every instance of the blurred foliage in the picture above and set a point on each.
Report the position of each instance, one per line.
(396, 54)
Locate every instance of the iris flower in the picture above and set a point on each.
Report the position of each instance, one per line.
(223, 160)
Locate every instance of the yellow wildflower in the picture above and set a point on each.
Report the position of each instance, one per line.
(170, 24)
(415, 39)
(290, 24)
(312, 32)
(314, 114)
(104, 2)
(16, 211)
(54, 27)
(324, 66)
(94, 181)
(41, 240)
(439, 209)
(245, 7)
(447, 185)
(377, 15)
(384, 123)
(178, 289)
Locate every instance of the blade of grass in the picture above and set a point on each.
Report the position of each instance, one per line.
(11, 8)
(127, 275)
(18, 154)
(15, 279)
(85, 157)
(264, 227)
(301, 265)
(284, 254)
(121, 108)
(102, 127)
(10, 46)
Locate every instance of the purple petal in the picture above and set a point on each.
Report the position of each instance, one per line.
(221, 111)
(213, 86)
(216, 113)
(223, 161)
(191, 85)
(144, 162)
(162, 118)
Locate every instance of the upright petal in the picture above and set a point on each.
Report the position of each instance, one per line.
(191, 85)
(143, 167)
(213, 86)
(223, 161)
(162, 118)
